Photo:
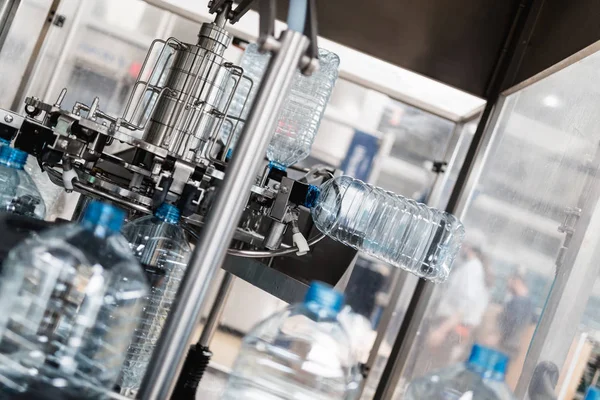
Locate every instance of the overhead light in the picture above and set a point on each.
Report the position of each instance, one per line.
(551, 101)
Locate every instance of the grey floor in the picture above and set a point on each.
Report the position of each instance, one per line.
(212, 385)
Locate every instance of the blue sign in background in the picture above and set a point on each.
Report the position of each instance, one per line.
(361, 154)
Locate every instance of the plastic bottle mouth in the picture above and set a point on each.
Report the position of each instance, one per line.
(312, 195)
(168, 213)
(12, 158)
(103, 219)
(324, 297)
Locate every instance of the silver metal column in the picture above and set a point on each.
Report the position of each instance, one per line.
(216, 311)
(209, 254)
(8, 9)
(37, 48)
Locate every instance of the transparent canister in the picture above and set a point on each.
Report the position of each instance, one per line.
(18, 192)
(159, 243)
(71, 299)
(302, 352)
(387, 226)
(302, 110)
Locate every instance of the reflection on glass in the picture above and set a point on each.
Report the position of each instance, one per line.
(537, 168)
(419, 139)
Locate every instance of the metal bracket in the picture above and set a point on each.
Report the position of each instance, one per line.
(572, 215)
(240, 10)
(439, 167)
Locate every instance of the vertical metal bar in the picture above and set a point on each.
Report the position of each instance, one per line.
(209, 254)
(34, 56)
(216, 311)
(8, 9)
(575, 275)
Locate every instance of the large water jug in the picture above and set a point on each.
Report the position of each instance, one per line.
(18, 193)
(300, 353)
(160, 244)
(480, 378)
(71, 299)
(302, 109)
(387, 226)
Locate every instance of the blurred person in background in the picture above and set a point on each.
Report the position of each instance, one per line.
(517, 314)
(461, 306)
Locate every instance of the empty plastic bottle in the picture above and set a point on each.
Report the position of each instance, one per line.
(71, 299)
(593, 393)
(480, 378)
(387, 226)
(18, 193)
(300, 353)
(302, 109)
(160, 244)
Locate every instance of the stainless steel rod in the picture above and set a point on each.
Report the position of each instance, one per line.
(216, 311)
(8, 9)
(209, 254)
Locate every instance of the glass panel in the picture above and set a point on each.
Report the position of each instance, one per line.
(538, 166)
(97, 52)
(419, 139)
(406, 282)
(19, 45)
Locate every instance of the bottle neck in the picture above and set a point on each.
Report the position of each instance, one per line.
(312, 196)
(99, 230)
(168, 213)
(12, 165)
(485, 373)
(276, 165)
(12, 158)
(102, 219)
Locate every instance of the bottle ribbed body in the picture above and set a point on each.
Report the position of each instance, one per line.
(302, 109)
(160, 245)
(390, 227)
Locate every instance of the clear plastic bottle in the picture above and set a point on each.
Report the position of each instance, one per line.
(300, 353)
(480, 378)
(72, 297)
(387, 226)
(302, 110)
(18, 193)
(160, 244)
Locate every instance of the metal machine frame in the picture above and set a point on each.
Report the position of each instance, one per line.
(172, 125)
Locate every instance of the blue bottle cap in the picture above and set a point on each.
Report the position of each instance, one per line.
(488, 362)
(276, 165)
(324, 296)
(593, 393)
(102, 218)
(168, 213)
(13, 158)
(312, 195)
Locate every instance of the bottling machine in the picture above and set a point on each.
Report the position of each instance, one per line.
(168, 146)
